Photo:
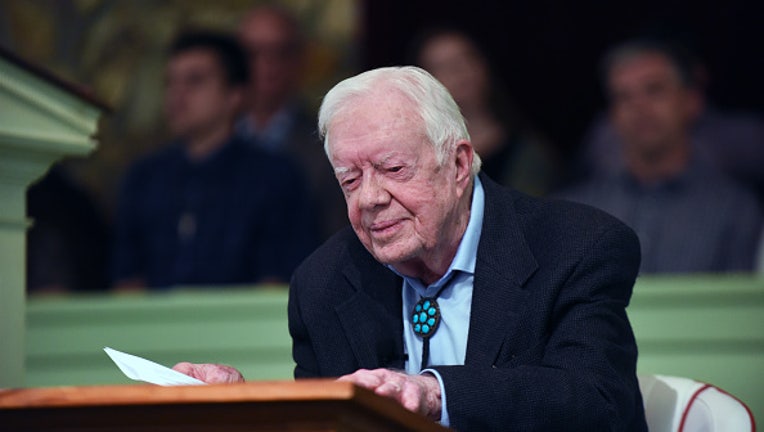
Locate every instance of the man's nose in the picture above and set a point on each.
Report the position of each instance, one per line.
(372, 193)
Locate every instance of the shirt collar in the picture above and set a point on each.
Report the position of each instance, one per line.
(466, 253)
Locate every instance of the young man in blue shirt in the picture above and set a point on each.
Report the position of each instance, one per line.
(210, 208)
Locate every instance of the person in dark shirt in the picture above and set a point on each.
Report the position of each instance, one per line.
(275, 118)
(210, 208)
(513, 153)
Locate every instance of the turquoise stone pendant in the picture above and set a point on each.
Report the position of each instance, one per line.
(425, 317)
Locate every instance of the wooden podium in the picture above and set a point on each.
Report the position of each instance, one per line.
(307, 405)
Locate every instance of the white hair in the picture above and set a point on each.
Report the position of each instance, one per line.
(443, 122)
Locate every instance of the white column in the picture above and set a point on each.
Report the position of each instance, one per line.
(40, 122)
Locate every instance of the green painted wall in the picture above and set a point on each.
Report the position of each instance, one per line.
(246, 328)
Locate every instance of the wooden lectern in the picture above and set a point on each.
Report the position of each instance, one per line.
(307, 405)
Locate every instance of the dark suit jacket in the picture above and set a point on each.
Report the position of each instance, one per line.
(549, 344)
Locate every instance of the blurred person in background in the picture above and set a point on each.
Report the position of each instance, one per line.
(730, 141)
(276, 119)
(689, 217)
(512, 154)
(210, 208)
(68, 242)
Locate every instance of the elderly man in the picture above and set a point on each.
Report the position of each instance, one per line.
(473, 304)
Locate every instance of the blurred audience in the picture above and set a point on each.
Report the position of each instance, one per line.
(731, 141)
(512, 154)
(689, 217)
(68, 242)
(210, 208)
(276, 119)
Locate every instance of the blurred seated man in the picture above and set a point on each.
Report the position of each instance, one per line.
(275, 118)
(468, 302)
(512, 154)
(689, 217)
(209, 209)
(733, 142)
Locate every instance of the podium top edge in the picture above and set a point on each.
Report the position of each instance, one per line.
(141, 394)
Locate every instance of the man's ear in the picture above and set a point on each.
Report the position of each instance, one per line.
(463, 155)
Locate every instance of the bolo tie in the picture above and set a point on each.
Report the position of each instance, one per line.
(425, 319)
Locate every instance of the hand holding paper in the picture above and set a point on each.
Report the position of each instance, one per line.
(140, 369)
(210, 373)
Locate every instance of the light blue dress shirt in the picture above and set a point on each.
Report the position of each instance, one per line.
(448, 346)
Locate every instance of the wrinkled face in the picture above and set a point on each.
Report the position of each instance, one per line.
(457, 65)
(197, 97)
(650, 106)
(401, 203)
(274, 58)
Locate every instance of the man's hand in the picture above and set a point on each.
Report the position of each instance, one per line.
(418, 393)
(210, 373)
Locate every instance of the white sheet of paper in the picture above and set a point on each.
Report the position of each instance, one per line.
(140, 369)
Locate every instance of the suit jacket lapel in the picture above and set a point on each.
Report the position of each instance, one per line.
(504, 264)
(372, 315)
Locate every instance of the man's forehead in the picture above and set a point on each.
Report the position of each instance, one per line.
(195, 58)
(375, 152)
(377, 110)
(353, 164)
(379, 136)
(644, 65)
(375, 122)
(267, 25)
(380, 149)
